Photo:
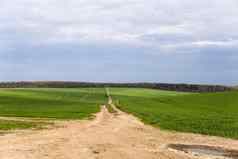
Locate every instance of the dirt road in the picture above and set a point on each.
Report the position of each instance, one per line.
(108, 136)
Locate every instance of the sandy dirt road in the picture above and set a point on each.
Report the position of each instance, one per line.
(108, 136)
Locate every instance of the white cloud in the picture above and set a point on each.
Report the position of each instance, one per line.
(216, 43)
(138, 22)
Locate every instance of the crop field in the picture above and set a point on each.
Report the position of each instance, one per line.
(204, 113)
(48, 103)
(51, 115)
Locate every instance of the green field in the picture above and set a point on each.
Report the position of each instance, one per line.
(49, 103)
(18, 124)
(206, 113)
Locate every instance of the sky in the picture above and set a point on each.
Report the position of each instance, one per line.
(174, 41)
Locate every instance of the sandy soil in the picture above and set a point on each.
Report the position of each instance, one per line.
(108, 136)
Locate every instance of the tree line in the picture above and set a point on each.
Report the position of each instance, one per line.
(161, 86)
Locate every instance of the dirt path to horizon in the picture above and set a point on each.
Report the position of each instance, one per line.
(108, 136)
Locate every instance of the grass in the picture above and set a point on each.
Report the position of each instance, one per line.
(11, 125)
(206, 113)
(49, 103)
(110, 108)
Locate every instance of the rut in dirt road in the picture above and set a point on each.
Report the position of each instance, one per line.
(117, 136)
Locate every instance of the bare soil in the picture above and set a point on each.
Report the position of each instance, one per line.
(108, 136)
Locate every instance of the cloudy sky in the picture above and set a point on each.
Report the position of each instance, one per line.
(119, 40)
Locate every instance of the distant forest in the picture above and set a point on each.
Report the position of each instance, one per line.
(161, 86)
